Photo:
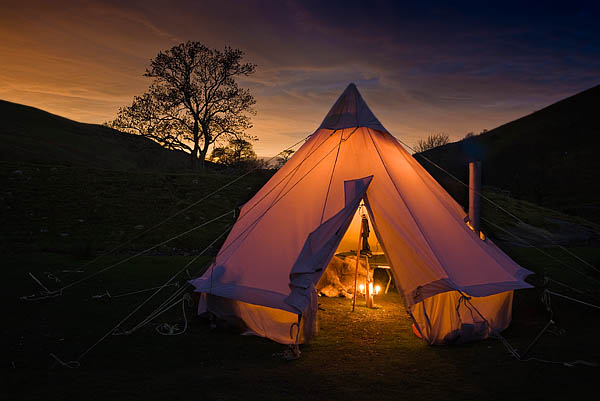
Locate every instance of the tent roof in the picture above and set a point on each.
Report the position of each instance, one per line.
(349, 111)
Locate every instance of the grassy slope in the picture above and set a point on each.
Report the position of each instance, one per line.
(356, 356)
(82, 211)
(548, 157)
(538, 226)
(31, 135)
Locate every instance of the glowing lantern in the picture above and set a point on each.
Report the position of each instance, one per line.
(373, 290)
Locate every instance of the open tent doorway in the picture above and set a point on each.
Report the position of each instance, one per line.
(344, 272)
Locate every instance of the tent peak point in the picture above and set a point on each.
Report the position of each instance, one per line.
(349, 111)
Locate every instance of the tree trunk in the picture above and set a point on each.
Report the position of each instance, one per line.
(193, 159)
(194, 153)
(204, 149)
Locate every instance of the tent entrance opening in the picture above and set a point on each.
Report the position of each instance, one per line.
(373, 274)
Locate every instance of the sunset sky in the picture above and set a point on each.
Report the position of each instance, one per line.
(423, 69)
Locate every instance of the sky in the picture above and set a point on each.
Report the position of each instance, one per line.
(423, 67)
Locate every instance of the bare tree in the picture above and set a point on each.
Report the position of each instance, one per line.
(148, 118)
(193, 100)
(432, 141)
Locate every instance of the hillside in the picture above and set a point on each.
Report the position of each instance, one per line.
(83, 211)
(31, 135)
(548, 157)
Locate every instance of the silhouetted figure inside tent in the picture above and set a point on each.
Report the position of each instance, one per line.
(366, 248)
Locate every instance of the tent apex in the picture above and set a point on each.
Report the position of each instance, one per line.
(350, 111)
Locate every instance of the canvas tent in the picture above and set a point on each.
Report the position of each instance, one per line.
(456, 287)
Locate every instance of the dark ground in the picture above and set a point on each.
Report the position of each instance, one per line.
(363, 355)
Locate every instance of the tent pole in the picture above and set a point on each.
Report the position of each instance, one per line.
(357, 262)
(368, 284)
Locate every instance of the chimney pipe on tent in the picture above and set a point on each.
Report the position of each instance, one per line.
(475, 195)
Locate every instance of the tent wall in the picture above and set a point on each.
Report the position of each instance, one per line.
(450, 318)
(276, 324)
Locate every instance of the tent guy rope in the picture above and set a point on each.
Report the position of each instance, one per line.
(137, 308)
(61, 289)
(109, 295)
(50, 294)
(541, 250)
(195, 203)
(498, 206)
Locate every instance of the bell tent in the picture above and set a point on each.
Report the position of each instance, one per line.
(456, 286)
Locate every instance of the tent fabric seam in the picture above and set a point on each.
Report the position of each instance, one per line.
(333, 169)
(441, 265)
(332, 174)
(277, 198)
(291, 175)
(251, 227)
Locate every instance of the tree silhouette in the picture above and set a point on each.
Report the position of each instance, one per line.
(432, 141)
(283, 157)
(193, 100)
(237, 151)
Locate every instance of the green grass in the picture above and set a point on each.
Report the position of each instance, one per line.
(362, 355)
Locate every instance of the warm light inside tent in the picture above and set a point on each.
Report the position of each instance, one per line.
(373, 290)
(348, 242)
(370, 258)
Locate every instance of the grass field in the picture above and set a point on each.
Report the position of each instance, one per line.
(82, 211)
(368, 354)
(360, 355)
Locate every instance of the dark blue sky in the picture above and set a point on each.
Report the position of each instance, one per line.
(423, 67)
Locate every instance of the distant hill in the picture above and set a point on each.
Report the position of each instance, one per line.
(549, 157)
(32, 135)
